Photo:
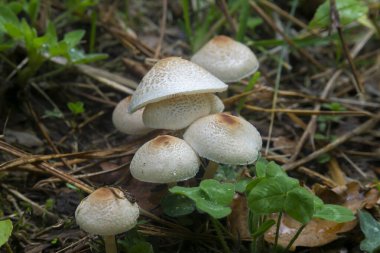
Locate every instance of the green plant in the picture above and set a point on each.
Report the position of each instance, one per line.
(272, 191)
(39, 48)
(6, 228)
(370, 228)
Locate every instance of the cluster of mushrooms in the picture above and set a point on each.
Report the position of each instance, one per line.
(177, 94)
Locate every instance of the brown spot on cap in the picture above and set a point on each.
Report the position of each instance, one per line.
(228, 119)
(162, 140)
(105, 193)
(222, 40)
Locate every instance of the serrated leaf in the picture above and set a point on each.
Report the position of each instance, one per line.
(221, 194)
(5, 231)
(299, 205)
(371, 229)
(349, 11)
(176, 205)
(334, 213)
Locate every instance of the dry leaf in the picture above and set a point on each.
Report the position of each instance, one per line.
(238, 219)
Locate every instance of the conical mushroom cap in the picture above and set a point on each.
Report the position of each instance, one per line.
(224, 138)
(171, 77)
(165, 159)
(179, 112)
(106, 211)
(128, 123)
(227, 59)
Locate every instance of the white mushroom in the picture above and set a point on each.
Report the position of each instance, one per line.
(165, 159)
(128, 123)
(172, 77)
(224, 138)
(107, 212)
(179, 112)
(227, 59)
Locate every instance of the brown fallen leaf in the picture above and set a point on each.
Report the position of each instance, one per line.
(320, 232)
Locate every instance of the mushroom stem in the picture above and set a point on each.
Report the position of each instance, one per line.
(210, 170)
(110, 243)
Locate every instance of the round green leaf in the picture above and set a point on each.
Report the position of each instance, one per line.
(269, 195)
(213, 209)
(5, 231)
(175, 205)
(221, 194)
(334, 213)
(299, 205)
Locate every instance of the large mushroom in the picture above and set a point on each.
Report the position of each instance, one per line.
(227, 59)
(107, 212)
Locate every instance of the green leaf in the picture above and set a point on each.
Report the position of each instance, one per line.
(349, 11)
(175, 205)
(13, 31)
(371, 229)
(73, 38)
(263, 228)
(141, 246)
(334, 213)
(274, 170)
(241, 185)
(76, 107)
(215, 210)
(88, 58)
(299, 205)
(193, 193)
(8, 16)
(261, 167)
(253, 184)
(221, 194)
(5, 231)
(269, 195)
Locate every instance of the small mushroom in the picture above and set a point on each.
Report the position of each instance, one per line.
(224, 138)
(227, 59)
(165, 159)
(129, 123)
(179, 112)
(107, 212)
(172, 77)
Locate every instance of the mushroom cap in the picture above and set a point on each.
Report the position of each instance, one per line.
(179, 112)
(106, 211)
(227, 59)
(165, 159)
(128, 123)
(171, 77)
(224, 138)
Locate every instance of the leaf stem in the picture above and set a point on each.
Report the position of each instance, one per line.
(294, 238)
(219, 235)
(278, 225)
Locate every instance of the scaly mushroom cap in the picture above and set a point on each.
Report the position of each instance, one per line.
(128, 123)
(217, 105)
(165, 159)
(171, 77)
(106, 211)
(224, 138)
(179, 112)
(227, 59)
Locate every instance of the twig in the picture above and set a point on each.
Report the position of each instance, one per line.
(359, 130)
(224, 7)
(162, 28)
(335, 22)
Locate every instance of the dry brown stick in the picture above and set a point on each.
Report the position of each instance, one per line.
(224, 7)
(332, 145)
(47, 168)
(268, 20)
(308, 112)
(286, 15)
(162, 28)
(311, 125)
(335, 22)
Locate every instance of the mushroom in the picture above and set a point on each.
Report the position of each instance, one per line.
(165, 159)
(227, 59)
(107, 212)
(179, 112)
(128, 123)
(224, 138)
(172, 77)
